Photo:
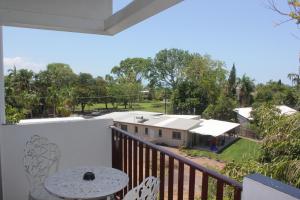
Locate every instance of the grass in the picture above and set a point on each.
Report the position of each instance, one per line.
(153, 106)
(241, 150)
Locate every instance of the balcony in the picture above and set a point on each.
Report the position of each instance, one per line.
(95, 142)
(139, 159)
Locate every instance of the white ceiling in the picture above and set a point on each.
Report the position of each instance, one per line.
(87, 16)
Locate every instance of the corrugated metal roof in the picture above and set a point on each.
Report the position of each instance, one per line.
(153, 119)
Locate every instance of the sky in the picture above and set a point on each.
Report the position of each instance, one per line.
(234, 31)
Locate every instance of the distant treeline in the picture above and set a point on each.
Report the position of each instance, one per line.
(194, 83)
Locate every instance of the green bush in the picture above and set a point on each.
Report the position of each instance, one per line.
(13, 115)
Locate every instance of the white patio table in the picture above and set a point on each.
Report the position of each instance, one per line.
(69, 183)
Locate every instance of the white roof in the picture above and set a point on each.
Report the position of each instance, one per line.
(214, 127)
(129, 114)
(153, 119)
(246, 112)
(285, 110)
(165, 122)
(45, 120)
(185, 116)
(86, 16)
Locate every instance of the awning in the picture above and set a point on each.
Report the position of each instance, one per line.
(214, 127)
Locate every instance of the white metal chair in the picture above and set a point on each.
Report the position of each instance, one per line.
(40, 159)
(147, 190)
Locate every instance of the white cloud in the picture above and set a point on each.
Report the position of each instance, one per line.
(25, 63)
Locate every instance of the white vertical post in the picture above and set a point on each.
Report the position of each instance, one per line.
(2, 88)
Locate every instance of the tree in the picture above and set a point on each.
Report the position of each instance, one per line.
(280, 148)
(295, 78)
(293, 14)
(184, 99)
(128, 81)
(168, 66)
(20, 91)
(232, 82)
(132, 69)
(276, 93)
(246, 88)
(206, 78)
(265, 116)
(53, 86)
(100, 90)
(222, 110)
(84, 90)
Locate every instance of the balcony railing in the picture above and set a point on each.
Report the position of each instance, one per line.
(139, 159)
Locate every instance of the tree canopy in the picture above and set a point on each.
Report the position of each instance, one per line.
(194, 84)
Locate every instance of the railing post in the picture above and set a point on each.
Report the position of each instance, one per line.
(125, 159)
(192, 183)
(220, 189)
(141, 162)
(154, 162)
(237, 193)
(135, 165)
(147, 161)
(120, 152)
(180, 180)
(204, 189)
(113, 148)
(162, 176)
(130, 163)
(171, 178)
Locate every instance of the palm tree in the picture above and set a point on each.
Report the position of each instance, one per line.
(246, 88)
(295, 78)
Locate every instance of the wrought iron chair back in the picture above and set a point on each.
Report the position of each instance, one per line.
(147, 190)
(41, 157)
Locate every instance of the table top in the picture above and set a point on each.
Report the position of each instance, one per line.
(69, 183)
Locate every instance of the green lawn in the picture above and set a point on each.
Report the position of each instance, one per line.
(153, 106)
(241, 150)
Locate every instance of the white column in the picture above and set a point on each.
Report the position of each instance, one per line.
(2, 88)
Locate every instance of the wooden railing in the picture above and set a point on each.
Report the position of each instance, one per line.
(139, 159)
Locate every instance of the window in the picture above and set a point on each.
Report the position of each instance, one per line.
(124, 127)
(136, 130)
(176, 135)
(159, 133)
(146, 131)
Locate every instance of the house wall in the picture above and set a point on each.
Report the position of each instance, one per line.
(84, 142)
(243, 121)
(153, 131)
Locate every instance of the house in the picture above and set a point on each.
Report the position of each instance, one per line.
(244, 114)
(173, 130)
(155, 127)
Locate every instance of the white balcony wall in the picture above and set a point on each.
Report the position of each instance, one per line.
(81, 143)
(259, 187)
